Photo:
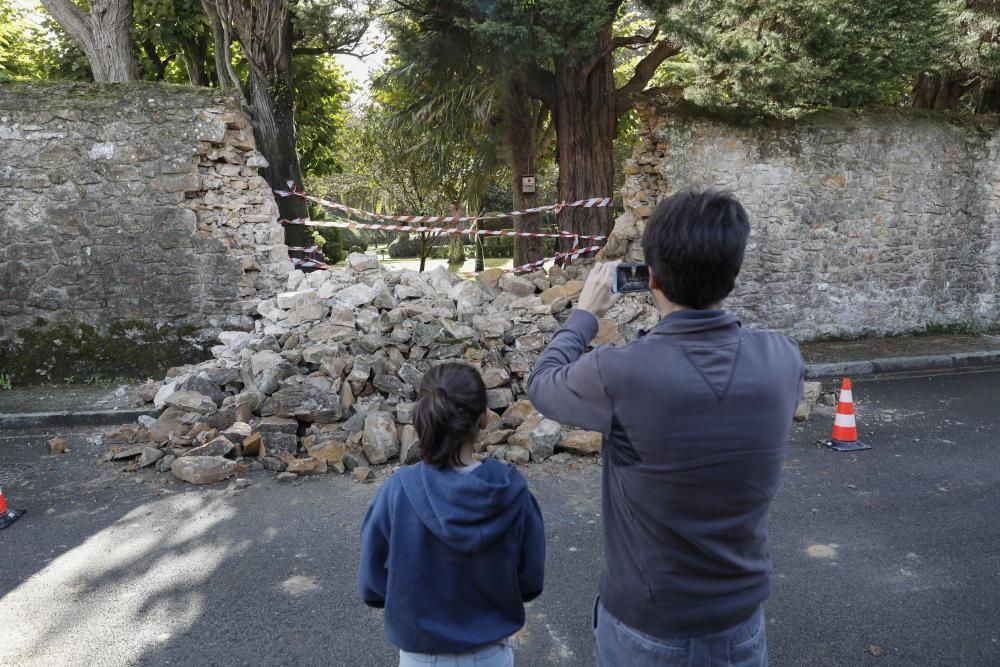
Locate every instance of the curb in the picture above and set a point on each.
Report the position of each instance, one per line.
(75, 418)
(931, 362)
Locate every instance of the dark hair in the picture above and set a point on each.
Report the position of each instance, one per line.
(694, 243)
(451, 399)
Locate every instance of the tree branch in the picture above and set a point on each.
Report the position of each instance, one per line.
(73, 20)
(644, 71)
(540, 84)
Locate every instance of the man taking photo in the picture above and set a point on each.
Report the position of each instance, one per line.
(695, 414)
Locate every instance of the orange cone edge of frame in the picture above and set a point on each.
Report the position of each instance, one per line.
(7, 516)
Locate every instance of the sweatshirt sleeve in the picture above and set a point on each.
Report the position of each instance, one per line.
(566, 384)
(531, 568)
(374, 573)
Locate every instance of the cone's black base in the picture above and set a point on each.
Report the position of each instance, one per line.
(842, 446)
(9, 517)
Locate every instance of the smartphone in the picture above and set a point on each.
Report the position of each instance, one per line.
(631, 278)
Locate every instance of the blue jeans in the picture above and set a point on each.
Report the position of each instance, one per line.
(619, 645)
(491, 655)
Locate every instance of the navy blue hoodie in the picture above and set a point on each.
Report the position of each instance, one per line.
(452, 556)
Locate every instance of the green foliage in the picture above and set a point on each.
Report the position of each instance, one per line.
(778, 55)
(32, 46)
(5, 383)
(322, 101)
(328, 239)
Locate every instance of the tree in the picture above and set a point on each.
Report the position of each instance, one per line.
(551, 65)
(769, 54)
(269, 38)
(967, 78)
(104, 33)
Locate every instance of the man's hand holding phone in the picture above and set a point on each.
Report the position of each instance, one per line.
(597, 296)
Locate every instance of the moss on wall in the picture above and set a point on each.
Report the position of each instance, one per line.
(47, 352)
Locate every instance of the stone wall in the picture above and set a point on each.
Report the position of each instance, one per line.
(879, 223)
(133, 226)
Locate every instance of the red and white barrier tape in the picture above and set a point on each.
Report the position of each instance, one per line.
(573, 254)
(596, 202)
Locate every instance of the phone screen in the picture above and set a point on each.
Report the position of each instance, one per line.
(632, 278)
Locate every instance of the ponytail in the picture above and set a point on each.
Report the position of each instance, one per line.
(451, 399)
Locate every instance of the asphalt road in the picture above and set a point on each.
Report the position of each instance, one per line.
(891, 552)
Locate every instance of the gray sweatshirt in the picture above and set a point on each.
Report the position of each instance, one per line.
(696, 416)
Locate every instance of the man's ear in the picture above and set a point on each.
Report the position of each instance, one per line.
(652, 283)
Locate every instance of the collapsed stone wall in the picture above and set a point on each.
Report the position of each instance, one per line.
(133, 227)
(875, 223)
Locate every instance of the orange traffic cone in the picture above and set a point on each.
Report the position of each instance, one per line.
(7, 516)
(845, 430)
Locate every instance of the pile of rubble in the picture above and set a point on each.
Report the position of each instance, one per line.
(328, 378)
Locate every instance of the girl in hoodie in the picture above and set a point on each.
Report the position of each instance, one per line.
(452, 547)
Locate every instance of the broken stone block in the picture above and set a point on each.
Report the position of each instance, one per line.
(487, 440)
(363, 474)
(168, 425)
(252, 444)
(274, 443)
(331, 451)
(203, 469)
(164, 464)
(499, 398)
(306, 466)
(273, 464)
(201, 384)
(362, 262)
(518, 455)
(218, 446)
(191, 401)
(494, 377)
(404, 412)
(304, 400)
(409, 445)
(354, 458)
(149, 456)
(380, 440)
(515, 415)
(540, 440)
(59, 445)
(516, 285)
(237, 432)
(581, 442)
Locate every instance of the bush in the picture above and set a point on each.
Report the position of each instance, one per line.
(328, 239)
(354, 238)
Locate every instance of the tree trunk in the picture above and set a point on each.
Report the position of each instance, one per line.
(275, 134)
(104, 35)
(195, 54)
(586, 123)
(521, 127)
(265, 33)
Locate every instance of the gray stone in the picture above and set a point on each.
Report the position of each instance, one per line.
(494, 377)
(380, 440)
(409, 445)
(168, 425)
(516, 285)
(203, 469)
(201, 384)
(276, 425)
(411, 374)
(163, 465)
(457, 330)
(130, 453)
(518, 455)
(275, 443)
(540, 440)
(515, 415)
(391, 384)
(355, 458)
(404, 412)
(286, 477)
(304, 401)
(191, 401)
(274, 464)
(356, 295)
(427, 333)
(219, 446)
(356, 423)
(500, 398)
(149, 456)
(361, 262)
